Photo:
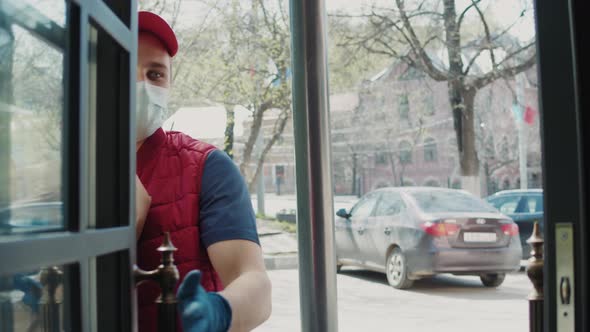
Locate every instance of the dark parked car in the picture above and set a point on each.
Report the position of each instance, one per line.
(31, 217)
(524, 206)
(414, 232)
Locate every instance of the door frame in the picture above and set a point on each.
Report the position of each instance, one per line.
(91, 240)
(563, 127)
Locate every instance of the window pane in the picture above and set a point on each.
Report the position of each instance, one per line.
(121, 8)
(507, 204)
(113, 293)
(404, 107)
(429, 150)
(531, 205)
(363, 209)
(109, 129)
(37, 300)
(442, 130)
(31, 115)
(389, 205)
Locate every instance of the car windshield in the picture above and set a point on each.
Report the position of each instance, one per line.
(518, 203)
(449, 201)
(506, 204)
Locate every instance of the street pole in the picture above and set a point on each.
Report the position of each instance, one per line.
(315, 203)
(260, 180)
(260, 137)
(522, 141)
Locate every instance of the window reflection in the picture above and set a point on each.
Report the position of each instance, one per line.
(33, 301)
(31, 115)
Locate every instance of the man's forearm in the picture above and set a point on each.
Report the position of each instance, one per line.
(249, 296)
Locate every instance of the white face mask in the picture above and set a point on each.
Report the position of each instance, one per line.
(152, 102)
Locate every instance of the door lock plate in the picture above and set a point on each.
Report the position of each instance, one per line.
(564, 252)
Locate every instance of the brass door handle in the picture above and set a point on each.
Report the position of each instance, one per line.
(166, 275)
(51, 278)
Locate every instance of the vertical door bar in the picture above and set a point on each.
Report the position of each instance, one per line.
(315, 221)
(83, 162)
(563, 166)
(581, 248)
(132, 155)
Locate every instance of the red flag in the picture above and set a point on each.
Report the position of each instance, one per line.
(529, 115)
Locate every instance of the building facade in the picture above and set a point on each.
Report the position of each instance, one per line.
(397, 130)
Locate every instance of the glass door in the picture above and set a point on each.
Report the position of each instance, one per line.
(67, 239)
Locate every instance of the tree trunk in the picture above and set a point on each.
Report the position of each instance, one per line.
(354, 182)
(464, 120)
(279, 127)
(461, 99)
(249, 145)
(6, 99)
(228, 144)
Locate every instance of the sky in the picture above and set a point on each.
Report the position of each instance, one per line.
(205, 122)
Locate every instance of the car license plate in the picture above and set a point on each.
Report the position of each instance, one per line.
(479, 237)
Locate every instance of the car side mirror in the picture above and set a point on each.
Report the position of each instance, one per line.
(343, 214)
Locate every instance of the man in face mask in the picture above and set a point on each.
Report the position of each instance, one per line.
(195, 192)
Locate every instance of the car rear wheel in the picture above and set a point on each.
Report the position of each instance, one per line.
(492, 279)
(397, 270)
(338, 268)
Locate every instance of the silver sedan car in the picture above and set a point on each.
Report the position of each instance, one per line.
(414, 232)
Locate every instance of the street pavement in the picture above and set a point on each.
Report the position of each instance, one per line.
(367, 303)
(279, 247)
(442, 304)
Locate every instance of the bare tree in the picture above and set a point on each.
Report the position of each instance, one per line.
(421, 32)
(249, 66)
(236, 55)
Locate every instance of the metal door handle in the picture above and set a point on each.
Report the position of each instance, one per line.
(51, 278)
(167, 276)
(387, 231)
(565, 290)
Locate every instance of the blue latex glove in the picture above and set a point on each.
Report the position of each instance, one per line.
(202, 311)
(32, 289)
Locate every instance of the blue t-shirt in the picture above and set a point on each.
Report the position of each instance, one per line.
(225, 207)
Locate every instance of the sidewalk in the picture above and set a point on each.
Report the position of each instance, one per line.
(274, 203)
(278, 247)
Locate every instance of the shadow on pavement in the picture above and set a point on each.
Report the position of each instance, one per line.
(370, 276)
(446, 285)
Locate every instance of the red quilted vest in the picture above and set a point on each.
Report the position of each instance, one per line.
(170, 166)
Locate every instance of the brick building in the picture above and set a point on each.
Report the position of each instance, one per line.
(397, 129)
(401, 132)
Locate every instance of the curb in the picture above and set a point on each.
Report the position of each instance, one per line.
(284, 262)
(291, 262)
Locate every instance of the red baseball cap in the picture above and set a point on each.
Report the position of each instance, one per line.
(154, 24)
